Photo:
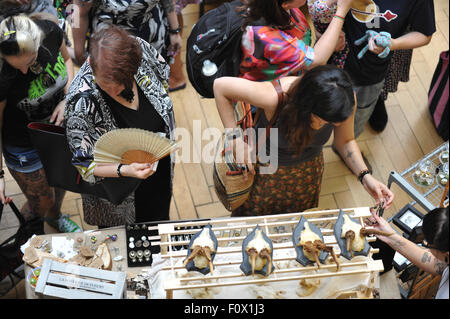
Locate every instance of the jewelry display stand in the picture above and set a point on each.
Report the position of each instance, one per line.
(429, 197)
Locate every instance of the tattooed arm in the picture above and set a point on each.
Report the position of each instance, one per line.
(421, 257)
(345, 144)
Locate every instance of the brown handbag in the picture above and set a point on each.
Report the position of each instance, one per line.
(231, 187)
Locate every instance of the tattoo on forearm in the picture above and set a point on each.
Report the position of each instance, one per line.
(440, 267)
(426, 257)
(397, 244)
(349, 158)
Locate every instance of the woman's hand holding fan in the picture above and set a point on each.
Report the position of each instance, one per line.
(138, 170)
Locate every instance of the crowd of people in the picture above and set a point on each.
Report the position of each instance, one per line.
(129, 59)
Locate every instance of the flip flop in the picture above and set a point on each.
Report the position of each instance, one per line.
(181, 87)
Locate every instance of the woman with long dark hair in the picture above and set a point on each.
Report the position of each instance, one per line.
(317, 104)
(433, 256)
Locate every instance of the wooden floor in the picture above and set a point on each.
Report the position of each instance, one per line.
(409, 135)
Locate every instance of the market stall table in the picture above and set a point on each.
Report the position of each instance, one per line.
(168, 278)
(356, 279)
(116, 247)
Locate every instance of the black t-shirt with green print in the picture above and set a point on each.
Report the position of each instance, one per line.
(33, 97)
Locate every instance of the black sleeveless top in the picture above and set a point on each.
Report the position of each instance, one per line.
(152, 197)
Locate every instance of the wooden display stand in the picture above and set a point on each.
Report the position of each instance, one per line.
(279, 229)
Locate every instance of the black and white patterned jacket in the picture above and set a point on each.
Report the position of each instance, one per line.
(86, 119)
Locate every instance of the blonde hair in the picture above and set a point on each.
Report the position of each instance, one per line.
(18, 35)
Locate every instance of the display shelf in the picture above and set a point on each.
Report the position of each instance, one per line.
(231, 232)
(429, 197)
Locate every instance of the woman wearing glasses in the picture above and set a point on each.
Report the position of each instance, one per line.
(433, 256)
(35, 73)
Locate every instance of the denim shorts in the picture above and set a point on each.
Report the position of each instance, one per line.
(21, 159)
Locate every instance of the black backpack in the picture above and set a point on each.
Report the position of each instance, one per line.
(214, 47)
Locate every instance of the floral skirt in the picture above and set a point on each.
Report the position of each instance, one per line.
(291, 189)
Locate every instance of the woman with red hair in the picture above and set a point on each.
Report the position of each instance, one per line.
(124, 85)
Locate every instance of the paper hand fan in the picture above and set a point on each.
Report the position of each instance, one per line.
(131, 145)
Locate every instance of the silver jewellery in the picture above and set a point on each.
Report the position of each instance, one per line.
(139, 242)
(147, 254)
(140, 255)
(131, 243)
(132, 256)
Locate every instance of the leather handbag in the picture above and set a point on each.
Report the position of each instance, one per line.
(231, 187)
(51, 143)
